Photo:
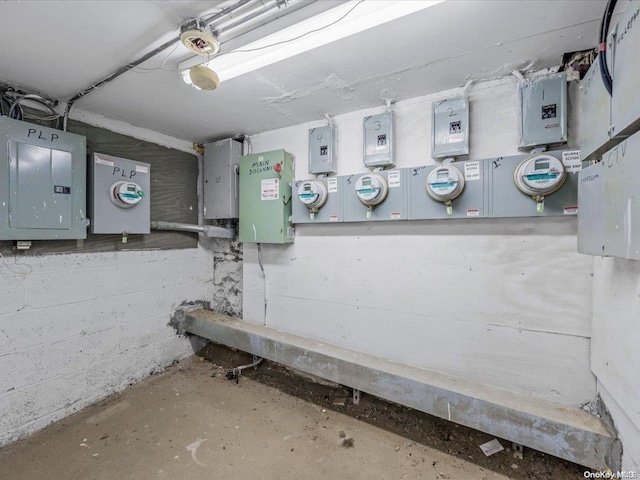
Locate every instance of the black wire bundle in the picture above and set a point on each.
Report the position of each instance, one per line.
(604, 30)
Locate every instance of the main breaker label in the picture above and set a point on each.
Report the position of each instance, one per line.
(332, 185)
(572, 161)
(394, 178)
(472, 171)
(270, 189)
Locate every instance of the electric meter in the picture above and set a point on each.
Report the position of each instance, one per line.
(126, 194)
(445, 184)
(540, 175)
(371, 189)
(313, 194)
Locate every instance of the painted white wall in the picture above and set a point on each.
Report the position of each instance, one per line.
(501, 301)
(76, 328)
(615, 352)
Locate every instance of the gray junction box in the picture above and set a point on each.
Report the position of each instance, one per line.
(609, 220)
(379, 142)
(42, 183)
(119, 195)
(543, 111)
(222, 179)
(450, 127)
(322, 150)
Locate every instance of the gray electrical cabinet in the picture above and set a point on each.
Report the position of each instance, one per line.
(450, 127)
(379, 148)
(625, 104)
(595, 113)
(222, 179)
(119, 195)
(394, 207)
(609, 220)
(543, 111)
(42, 192)
(471, 203)
(506, 200)
(322, 150)
(330, 212)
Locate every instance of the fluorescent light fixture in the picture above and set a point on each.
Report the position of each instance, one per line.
(296, 39)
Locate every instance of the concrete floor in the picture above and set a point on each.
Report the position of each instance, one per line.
(192, 423)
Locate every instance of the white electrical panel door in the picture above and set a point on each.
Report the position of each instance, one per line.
(378, 140)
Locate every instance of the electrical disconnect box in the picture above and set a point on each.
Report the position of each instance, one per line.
(376, 196)
(322, 150)
(595, 113)
(318, 200)
(609, 220)
(378, 140)
(42, 183)
(534, 185)
(625, 103)
(119, 195)
(265, 197)
(456, 190)
(222, 179)
(543, 111)
(450, 127)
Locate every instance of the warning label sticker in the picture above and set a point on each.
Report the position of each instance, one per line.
(333, 218)
(572, 161)
(332, 185)
(570, 210)
(395, 215)
(270, 189)
(472, 171)
(394, 178)
(102, 161)
(473, 212)
(142, 169)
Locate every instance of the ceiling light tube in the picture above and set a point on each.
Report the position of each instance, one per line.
(330, 25)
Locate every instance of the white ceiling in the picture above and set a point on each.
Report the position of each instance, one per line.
(58, 48)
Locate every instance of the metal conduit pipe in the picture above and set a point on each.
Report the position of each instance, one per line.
(210, 231)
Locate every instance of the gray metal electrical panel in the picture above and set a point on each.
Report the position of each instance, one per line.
(543, 111)
(379, 148)
(221, 179)
(330, 212)
(119, 195)
(322, 150)
(471, 203)
(595, 113)
(609, 220)
(42, 191)
(394, 207)
(450, 127)
(625, 104)
(506, 200)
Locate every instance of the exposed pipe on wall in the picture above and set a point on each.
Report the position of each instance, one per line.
(209, 231)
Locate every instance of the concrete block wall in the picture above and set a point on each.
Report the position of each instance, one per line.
(76, 328)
